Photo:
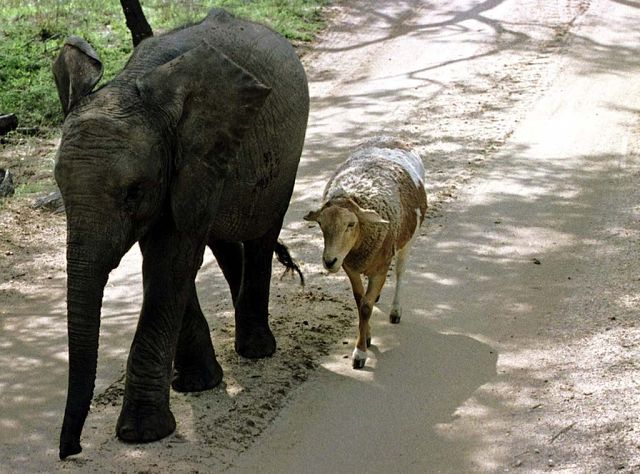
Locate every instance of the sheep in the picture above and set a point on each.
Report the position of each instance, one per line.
(373, 206)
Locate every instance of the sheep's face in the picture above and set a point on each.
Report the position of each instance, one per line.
(340, 229)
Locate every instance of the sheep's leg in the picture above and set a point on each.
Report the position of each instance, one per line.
(401, 264)
(358, 293)
(376, 282)
(356, 284)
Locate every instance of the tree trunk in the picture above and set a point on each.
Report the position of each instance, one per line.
(136, 21)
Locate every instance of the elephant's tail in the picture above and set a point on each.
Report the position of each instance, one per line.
(284, 257)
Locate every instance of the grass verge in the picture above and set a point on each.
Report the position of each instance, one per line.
(32, 31)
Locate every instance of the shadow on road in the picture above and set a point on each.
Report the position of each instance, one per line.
(459, 108)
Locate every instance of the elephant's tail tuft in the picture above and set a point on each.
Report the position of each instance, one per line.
(284, 257)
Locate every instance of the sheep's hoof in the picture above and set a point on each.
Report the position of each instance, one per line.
(359, 358)
(394, 317)
(358, 363)
(368, 342)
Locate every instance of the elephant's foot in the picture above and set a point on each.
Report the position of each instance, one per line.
(197, 378)
(144, 423)
(255, 343)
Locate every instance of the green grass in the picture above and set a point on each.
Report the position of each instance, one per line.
(32, 189)
(32, 31)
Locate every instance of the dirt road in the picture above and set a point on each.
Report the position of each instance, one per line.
(522, 349)
(519, 345)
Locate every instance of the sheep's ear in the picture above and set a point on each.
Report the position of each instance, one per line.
(369, 216)
(312, 216)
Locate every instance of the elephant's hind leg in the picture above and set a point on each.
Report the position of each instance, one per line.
(195, 366)
(254, 338)
(229, 256)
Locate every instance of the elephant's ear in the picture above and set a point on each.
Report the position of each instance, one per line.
(210, 103)
(77, 69)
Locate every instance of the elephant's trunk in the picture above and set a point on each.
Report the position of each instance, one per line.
(86, 280)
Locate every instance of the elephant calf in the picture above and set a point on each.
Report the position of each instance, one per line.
(195, 143)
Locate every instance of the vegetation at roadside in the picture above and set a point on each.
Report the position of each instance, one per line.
(32, 31)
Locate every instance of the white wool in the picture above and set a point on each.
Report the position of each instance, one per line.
(409, 160)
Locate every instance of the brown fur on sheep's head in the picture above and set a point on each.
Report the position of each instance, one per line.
(341, 221)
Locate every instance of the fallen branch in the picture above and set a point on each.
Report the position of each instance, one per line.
(561, 432)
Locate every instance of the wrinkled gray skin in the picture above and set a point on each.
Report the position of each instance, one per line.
(196, 142)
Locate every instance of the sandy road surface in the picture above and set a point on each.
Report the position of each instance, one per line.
(522, 349)
(526, 113)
